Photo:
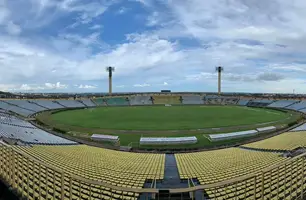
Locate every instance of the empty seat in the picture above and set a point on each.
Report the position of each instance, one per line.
(284, 141)
(166, 99)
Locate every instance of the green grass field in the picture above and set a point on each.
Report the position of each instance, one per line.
(166, 118)
(158, 121)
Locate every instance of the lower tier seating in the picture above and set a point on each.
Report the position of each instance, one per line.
(214, 166)
(123, 169)
(164, 99)
(282, 103)
(117, 101)
(47, 176)
(70, 103)
(285, 141)
(284, 181)
(192, 99)
(140, 100)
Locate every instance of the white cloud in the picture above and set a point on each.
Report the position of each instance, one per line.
(96, 27)
(33, 87)
(142, 85)
(57, 85)
(87, 86)
(256, 42)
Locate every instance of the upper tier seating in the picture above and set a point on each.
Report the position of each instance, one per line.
(88, 102)
(285, 141)
(26, 104)
(15, 109)
(166, 99)
(298, 106)
(48, 104)
(192, 99)
(243, 102)
(140, 100)
(282, 103)
(70, 103)
(124, 169)
(117, 101)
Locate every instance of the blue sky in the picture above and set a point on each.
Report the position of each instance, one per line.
(65, 45)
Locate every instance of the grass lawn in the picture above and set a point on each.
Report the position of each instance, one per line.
(166, 118)
(108, 120)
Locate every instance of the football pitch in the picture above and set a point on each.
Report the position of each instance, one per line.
(166, 118)
(131, 123)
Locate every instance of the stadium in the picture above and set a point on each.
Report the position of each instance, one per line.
(154, 146)
(171, 123)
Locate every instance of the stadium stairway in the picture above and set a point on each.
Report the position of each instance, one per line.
(82, 103)
(292, 104)
(93, 102)
(171, 174)
(263, 150)
(59, 104)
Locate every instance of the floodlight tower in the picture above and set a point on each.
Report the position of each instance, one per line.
(219, 70)
(110, 71)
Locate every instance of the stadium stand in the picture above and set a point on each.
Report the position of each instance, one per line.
(285, 141)
(48, 172)
(26, 104)
(297, 106)
(88, 102)
(166, 99)
(140, 100)
(192, 99)
(116, 168)
(303, 110)
(260, 102)
(47, 104)
(28, 134)
(212, 99)
(219, 165)
(300, 128)
(243, 102)
(15, 109)
(67, 170)
(222, 165)
(6, 118)
(229, 100)
(117, 101)
(70, 103)
(99, 101)
(282, 103)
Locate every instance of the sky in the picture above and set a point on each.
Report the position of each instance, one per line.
(65, 45)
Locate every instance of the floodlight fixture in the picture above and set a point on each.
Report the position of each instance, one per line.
(110, 71)
(219, 69)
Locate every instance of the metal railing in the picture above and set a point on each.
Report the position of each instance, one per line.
(34, 179)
